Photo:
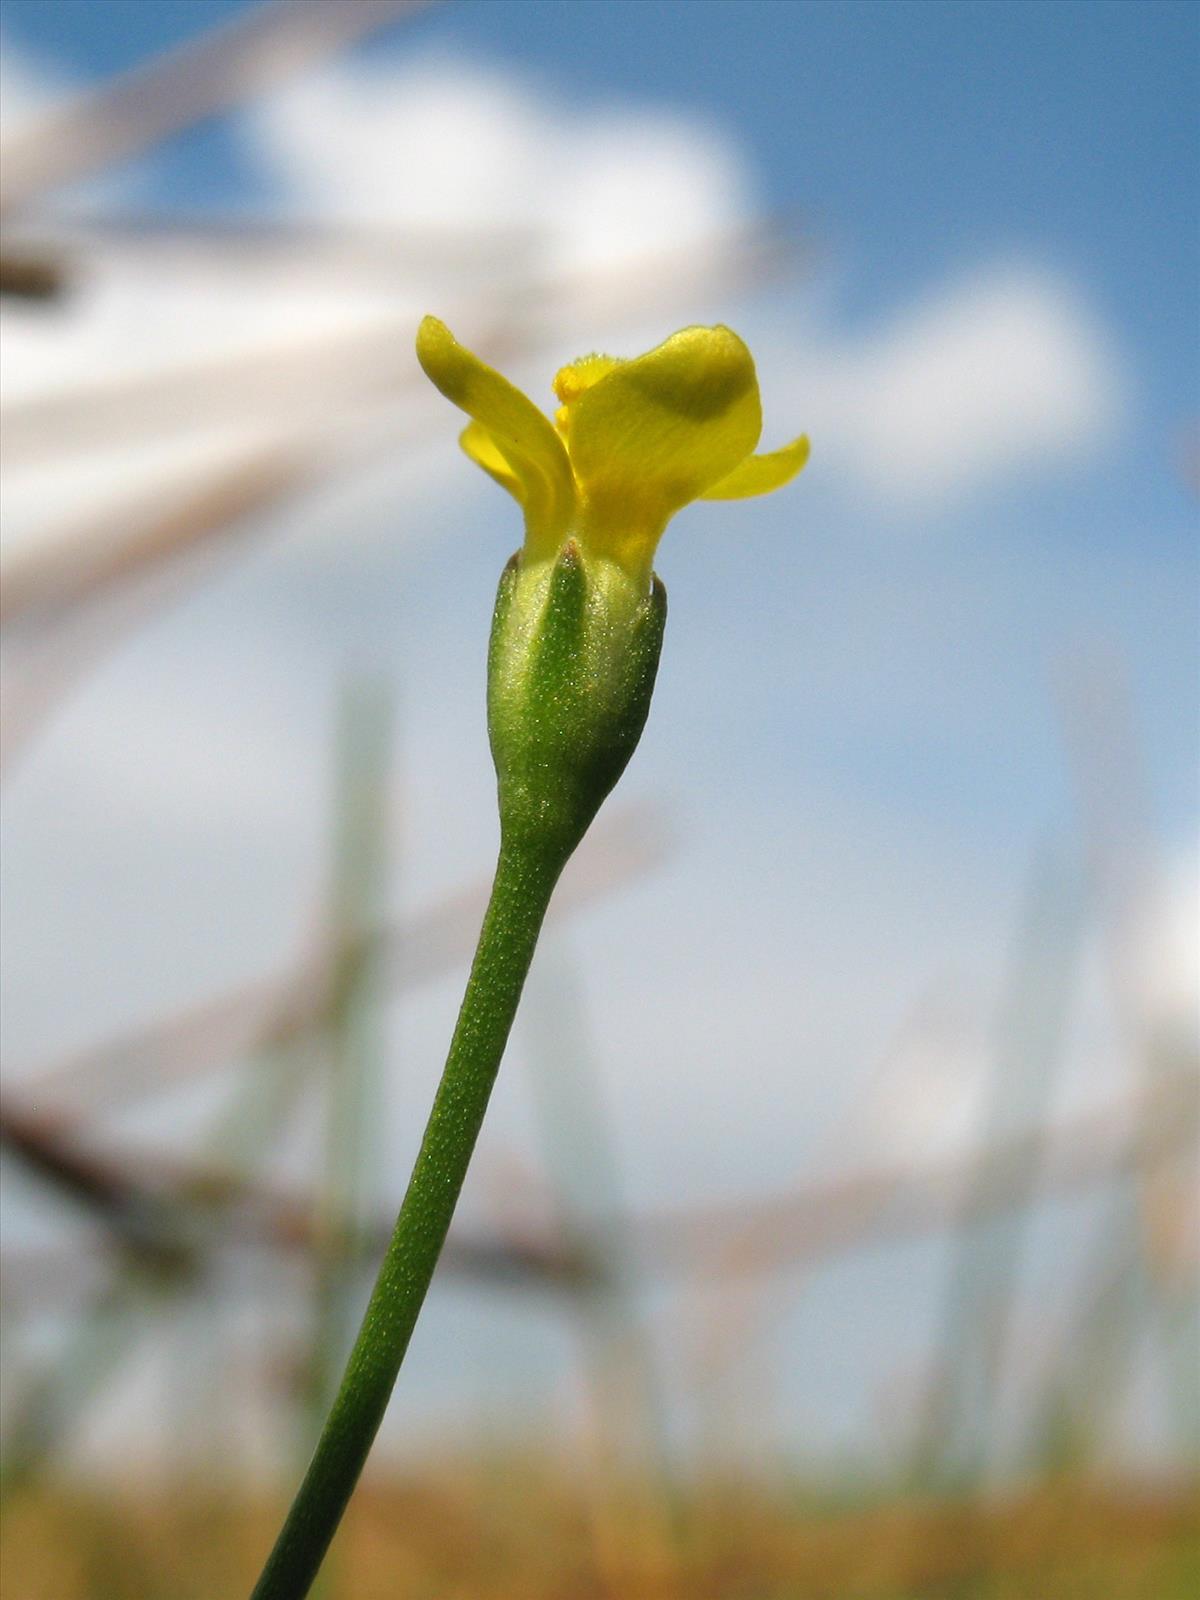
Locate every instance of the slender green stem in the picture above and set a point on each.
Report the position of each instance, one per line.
(525, 879)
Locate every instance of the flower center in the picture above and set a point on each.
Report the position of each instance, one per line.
(572, 381)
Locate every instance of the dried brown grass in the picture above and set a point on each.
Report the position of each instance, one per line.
(523, 1529)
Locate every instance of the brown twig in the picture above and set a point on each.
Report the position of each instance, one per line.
(821, 1221)
(222, 68)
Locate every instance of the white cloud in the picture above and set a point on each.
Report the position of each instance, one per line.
(454, 145)
(1167, 958)
(930, 1096)
(28, 85)
(988, 377)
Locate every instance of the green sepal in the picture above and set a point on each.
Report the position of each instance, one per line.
(571, 669)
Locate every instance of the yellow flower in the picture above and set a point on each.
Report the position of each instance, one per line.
(633, 442)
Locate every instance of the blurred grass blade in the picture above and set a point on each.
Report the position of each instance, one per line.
(959, 1429)
(350, 1032)
(628, 1422)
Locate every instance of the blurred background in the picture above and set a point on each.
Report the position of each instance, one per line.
(834, 1228)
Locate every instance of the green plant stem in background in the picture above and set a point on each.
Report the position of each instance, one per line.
(525, 877)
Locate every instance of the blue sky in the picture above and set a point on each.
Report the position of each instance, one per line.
(855, 723)
(916, 133)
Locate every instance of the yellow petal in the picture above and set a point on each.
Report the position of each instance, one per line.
(523, 436)
(652, 434)
(483, 450)
(761, 474)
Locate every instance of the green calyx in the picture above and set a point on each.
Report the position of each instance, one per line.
(571, 668)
